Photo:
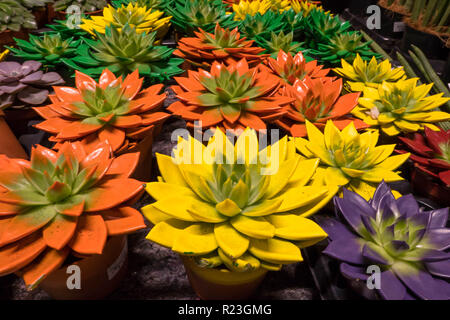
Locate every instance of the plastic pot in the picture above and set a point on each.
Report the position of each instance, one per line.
(100, 275)
(9, 145)
(425, 185)
(18, 119)
(143, 170)
(335, 6)
(391, 24)
(359, 7)
(431, 45)
(217, 284)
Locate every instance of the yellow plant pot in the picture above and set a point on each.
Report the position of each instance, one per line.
(221, 284)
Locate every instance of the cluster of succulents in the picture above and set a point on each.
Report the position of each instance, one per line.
(85, 6)
(25, 84)
(14, 16)
(274, 42)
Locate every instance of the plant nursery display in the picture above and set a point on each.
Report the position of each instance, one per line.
(224, 45)
(265, 24)
(350, 159)
(25, 84)
(230, 97)
(274, 42)
(408, 244)
(152, 4)
(63, 202)
(401, 106)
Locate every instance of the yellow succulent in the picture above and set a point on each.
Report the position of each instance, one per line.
(235, 206)
(139, 18)
(251, 8)
(3, 54)
(305, 6)
(350, 159)
(280, 5)
(368, 74)
(401, 106)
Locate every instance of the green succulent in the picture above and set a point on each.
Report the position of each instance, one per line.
(14, 16)
(189, 15)
(125, 51)
(320, 27)
(67, 31)
(344, 46)
(48, 49)
(280, 41)
(30, 4)
(149, 4)
(85, 5)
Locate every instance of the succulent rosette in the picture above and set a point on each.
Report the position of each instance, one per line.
(124, 51)
(224, 209)
(224, 45)
(190, 15)
(350, 159)
(63, 202)
(430, 153)
(151, 4)
(408, 244)
(48, 49)
(114, 110)
(25, 84)
(142, 19)
(371, 74)
(273, 43)
(401, 106)
(65, 29)
(292, 68)
(84, 5)
(318, 100)
(231, 97)
(250, 7)
(305, 7)
(343, 46)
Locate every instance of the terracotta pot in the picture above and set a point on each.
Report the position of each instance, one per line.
(100, 274)
(427, 186)
(216, 284)
(9, 145)
(7, 37)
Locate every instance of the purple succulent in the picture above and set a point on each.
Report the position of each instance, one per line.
(408, 244)
(25, 82)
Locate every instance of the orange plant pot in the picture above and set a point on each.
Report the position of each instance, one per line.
(216, 284)
(428, 187)
(9, 145)
(100, 275)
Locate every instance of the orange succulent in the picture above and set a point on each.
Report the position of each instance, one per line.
(111, 110)
(230, 97)
(318, 100)
(291, 69)
(224, 45)
(63, 202)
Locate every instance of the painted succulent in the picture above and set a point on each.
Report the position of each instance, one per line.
(3, 54)
(250, 7)
(189, 15)
(48, 49)
(65, 29)
(151, 4)
(430, 153)
(363, 74)
(306, 7)
(31, 4)
(350, 159)
(63, 202)
(320, 27)
(25, 84)
(291, 68)
(112, 110)
(124, 51)
(344, 46)
(227, 211)
(317, 101)
(141, 19)
(281, 41)
(14, 16)
(408, 244)
(224, 45)
(84, 5)
(401, 106)
(230, 97)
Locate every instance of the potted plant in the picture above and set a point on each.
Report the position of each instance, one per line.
(58, 8)
(150, 4)
(251, 7)
(141, 19)
(154, 62)
(318, 100)
(362, 74)
(273, 43)
(431, 158)
(225, 46)
(114, 110)
(350, 159)
(23, 86)
(63, 204)
(401, 106)
(408, 244)
(189, 15)
(230, 221)
(15, 19)
(65, 29)
(229, 97)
